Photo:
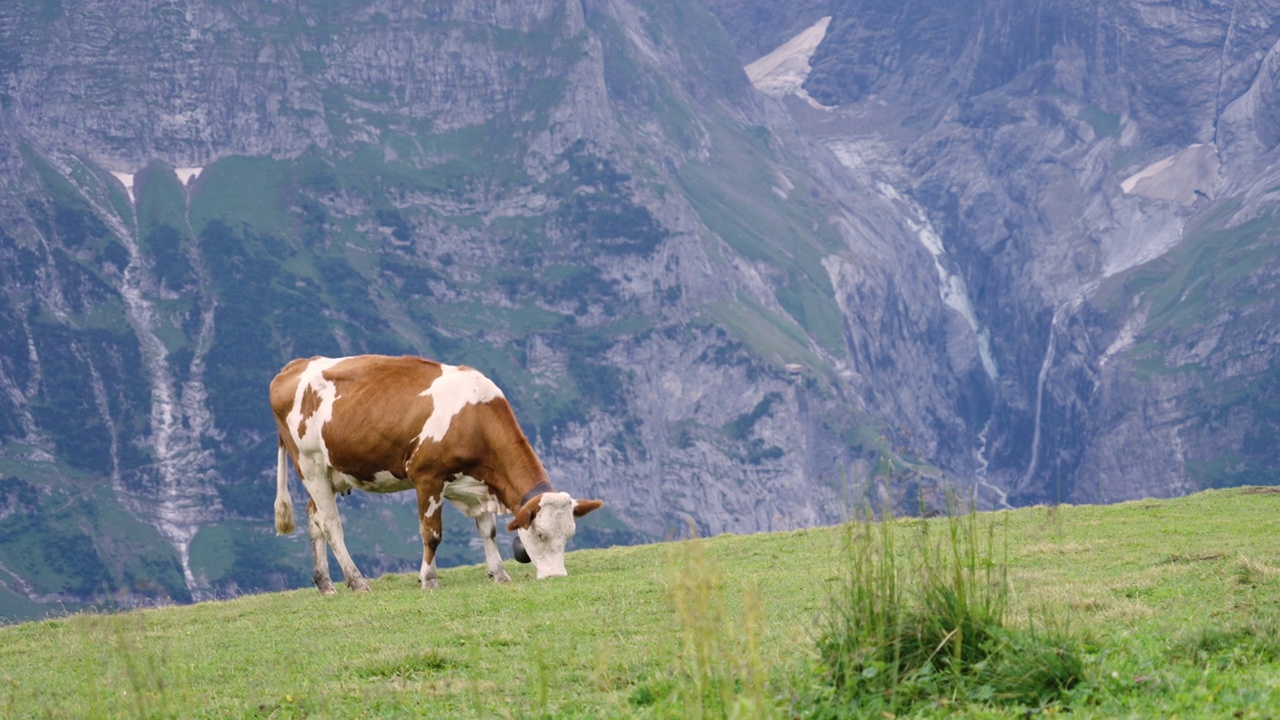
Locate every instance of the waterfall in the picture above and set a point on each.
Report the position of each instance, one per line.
(178, 417)
(980, 473)
(952, 289)
(1070, 304)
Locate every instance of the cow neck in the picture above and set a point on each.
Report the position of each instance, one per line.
(521, 473)
(536, 490)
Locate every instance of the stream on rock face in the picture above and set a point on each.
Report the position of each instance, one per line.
(179, 416)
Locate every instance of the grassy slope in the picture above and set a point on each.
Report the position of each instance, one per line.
(1158, 589)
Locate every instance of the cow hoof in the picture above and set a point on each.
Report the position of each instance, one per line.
(432, 584)
(500, 577)
(359, 585)
(328, 590)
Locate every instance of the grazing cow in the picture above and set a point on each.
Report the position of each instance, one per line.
(385, 424)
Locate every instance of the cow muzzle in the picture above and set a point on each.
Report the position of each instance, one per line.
(547, 555)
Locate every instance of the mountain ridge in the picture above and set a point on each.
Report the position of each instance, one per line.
(993, 259)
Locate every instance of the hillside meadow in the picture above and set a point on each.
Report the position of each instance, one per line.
(1171, 607)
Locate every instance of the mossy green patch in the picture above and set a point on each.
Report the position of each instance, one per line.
(72, 538)
(246, 193)
(1191, 283)
(1104, 124)
(774, 337)
(736, 194)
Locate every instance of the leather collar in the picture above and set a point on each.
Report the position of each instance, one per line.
(542, 487)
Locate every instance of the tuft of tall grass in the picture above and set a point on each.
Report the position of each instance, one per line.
(142, 671)
(719, 672)
(1251, 641)
(1253, 572)
(929, 626)
(858, 644)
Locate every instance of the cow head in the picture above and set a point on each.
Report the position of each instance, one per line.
(545, 524)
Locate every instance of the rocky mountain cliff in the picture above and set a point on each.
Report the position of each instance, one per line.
(736, 264)
(1101, 180)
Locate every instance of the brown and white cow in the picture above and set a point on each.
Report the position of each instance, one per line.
(385, 424)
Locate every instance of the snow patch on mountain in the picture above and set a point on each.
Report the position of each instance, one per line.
(126, 179)
(187, 174)
(1182, 177)
(783, 71)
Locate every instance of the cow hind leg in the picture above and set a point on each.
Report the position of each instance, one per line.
(319, 552)
(330, 525)
(487, 525)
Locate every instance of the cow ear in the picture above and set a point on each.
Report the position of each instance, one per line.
(524, 516)
(582, 507)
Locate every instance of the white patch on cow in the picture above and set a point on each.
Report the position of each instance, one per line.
(487, 526)
(341, 482)
(433, 506)
(471, 496)
(546, 537)
(312, 442)
(456, 388)
(427, 575)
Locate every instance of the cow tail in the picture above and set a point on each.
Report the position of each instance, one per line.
(284, 504)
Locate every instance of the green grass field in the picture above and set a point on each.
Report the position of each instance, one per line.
(1172, 606)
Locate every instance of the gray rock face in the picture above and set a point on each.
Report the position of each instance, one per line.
(698, 314)
(1017, 250)
(1101, 176)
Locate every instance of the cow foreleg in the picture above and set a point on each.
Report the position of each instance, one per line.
(487, 525)
(325, 519)
(430, 500)
(319, 552)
